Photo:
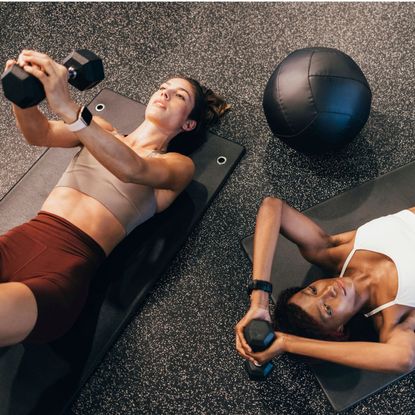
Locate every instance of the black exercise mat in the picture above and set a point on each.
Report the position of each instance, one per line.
(44, 379)
(344, 386)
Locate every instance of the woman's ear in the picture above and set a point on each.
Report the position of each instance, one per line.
(189, 125)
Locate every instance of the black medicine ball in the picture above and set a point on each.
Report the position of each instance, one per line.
(317, 100)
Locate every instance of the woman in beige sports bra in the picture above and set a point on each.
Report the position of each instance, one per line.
(113, 184)
(373, 271)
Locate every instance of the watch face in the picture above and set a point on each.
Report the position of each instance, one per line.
(86, 115)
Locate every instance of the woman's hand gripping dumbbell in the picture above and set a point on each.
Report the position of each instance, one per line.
(259, 334)
(83, 69)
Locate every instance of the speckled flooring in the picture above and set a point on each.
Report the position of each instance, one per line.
(177, 356)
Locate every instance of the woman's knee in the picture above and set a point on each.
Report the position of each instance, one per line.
(271, 202)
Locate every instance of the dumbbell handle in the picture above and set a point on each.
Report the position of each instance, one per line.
(72, 72)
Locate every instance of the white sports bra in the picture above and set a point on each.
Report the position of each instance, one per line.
(393, 236)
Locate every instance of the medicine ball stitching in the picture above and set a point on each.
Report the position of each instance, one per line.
(333, 76)
(343, 77)
(357, 68)
(293, 135)
(365, 83)
(281, 103)
(309, 84)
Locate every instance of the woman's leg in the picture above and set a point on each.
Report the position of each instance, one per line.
(18, 312)
(45, 269)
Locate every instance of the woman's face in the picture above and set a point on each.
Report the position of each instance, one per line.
(329, 301)
(170, 106)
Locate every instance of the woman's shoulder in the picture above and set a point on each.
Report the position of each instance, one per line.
(338, 249)
(181, 167)
(177, 158)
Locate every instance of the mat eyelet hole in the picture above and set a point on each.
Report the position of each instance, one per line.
(221, 160)
(100, 107)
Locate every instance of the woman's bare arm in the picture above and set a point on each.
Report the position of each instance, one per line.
(275, 217)
(35, 128)
(171, 171)
(395, 354)
(42, 132)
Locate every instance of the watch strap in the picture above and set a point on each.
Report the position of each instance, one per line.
(84, 118)
(259, 285)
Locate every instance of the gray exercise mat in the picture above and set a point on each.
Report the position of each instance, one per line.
(394, 191)
(44, 379)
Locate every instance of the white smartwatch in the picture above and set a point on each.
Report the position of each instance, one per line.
(84, 118)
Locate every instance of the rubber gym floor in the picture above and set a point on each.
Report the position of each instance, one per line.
(159, 365)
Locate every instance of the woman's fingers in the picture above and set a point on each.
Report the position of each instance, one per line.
(239, 347)
(244, 343)
(261, 357)
(242, 352)
(243, 347)
(43, 62)
(36, 71)
(239, 330)
(9, 64)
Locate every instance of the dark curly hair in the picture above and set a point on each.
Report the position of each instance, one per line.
(208, 109)
(292, 319)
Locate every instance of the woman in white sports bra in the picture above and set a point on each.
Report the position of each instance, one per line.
(373, 271)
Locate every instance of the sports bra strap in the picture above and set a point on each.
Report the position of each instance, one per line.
(346, 263)
(380, 308)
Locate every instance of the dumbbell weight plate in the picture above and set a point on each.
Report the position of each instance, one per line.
(258, 372)
(21, 88)
(87, 68)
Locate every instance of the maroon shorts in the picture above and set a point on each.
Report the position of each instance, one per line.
(56, 260)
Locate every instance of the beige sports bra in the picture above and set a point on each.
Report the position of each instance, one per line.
(132, 204)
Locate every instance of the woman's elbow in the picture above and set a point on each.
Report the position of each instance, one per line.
(410, 362)
(125, 176)
(406, 362)
(133, 174)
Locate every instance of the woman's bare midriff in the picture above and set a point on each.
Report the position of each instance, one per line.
(87, 214)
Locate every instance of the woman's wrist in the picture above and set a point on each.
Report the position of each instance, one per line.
(260, 299)
(68, 113)
(285, 341)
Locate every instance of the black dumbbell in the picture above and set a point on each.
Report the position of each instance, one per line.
(259, 334)
(85, 70)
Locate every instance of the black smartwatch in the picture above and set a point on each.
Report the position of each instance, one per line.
(84, 118)
(259, 285)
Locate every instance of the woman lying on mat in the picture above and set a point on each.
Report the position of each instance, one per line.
(373, 273)
(112, 185)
